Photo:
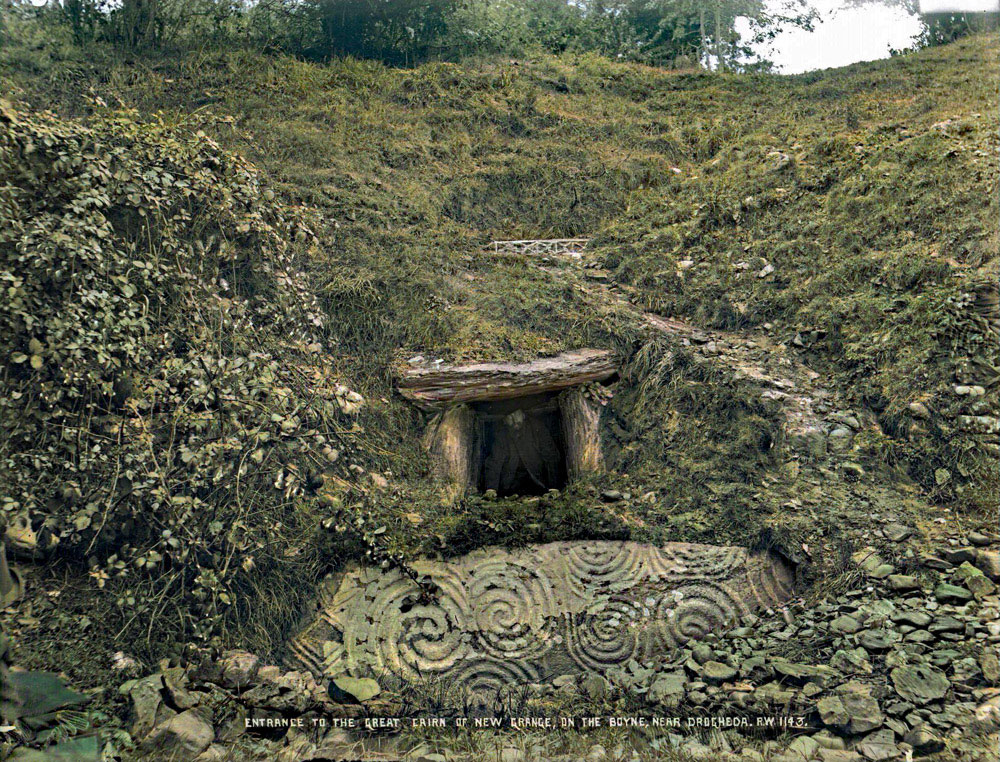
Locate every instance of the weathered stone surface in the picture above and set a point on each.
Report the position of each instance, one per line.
(903, 582)
(502, 618)
(951, 593)
(800, 674)
(851, 709)
(923, 740)
(147, 702)
(845, 624)
(667, 689)
(851, 661)
(449, 441)
(500, 381)
(238, 669)
(919, 683)
(182, 737)
(716, 673)
(878, 746)
(867, 559)
(989, 562)
(581, 415)
(357, 688)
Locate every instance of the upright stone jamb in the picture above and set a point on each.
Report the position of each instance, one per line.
(581, 416)
(451, 441)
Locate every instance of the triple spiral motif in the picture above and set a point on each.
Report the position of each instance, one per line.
(502, 619)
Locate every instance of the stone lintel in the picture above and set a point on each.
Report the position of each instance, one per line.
(488, 382)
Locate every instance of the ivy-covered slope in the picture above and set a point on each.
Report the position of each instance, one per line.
(164, 406)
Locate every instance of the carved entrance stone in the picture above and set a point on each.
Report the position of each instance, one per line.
(504, 618)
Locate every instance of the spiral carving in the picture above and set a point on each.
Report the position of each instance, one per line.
(502, 618)
(603, 636)
(492, 680)
(396, 631)
(512, 608)
(601, 564)
(693, 611)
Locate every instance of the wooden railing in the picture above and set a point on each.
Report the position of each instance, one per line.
(536, 246)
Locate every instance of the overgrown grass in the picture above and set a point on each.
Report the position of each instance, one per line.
(872, 217)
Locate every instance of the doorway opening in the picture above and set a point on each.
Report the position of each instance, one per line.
(521, 448)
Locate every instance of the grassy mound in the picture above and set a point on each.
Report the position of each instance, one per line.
(174, 413)
(856, 212)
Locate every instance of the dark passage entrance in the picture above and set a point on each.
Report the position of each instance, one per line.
(521, 445)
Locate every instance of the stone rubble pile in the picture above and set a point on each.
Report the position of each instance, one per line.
(198, 713)
(902, 666)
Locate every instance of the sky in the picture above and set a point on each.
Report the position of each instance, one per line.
(843, 35)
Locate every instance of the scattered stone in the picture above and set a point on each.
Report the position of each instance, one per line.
(867, 559)
(702, 653)
(978, 539)
(898, 532)
(716, 673)
(182, 737)
(988, 561)
(923, 740)
(838, 755)
(147, 704)
(238, 670)
(803, 747)
(845, 624)
(902, 583)
(961, 556)
(360, 689)
(828, 741)
(840, 439)
(877, 641)
(915, 618)
(990, 666)
(801, 674)
(852, 661)
(878, 746)
(947, 624)
(933, 562)
(946, 593)
(851, 471)
(919, 684)
(596, 686)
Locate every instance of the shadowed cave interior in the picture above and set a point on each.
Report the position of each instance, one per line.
(521, 447)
